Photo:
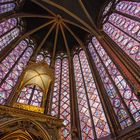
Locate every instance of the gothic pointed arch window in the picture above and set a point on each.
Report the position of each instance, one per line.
(61, 94)
(12, 66)
(121, 95)
(40, 57)
(44, 56)
(123, 27)
(93, 121)
(8, 5)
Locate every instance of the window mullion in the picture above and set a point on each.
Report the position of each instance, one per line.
(3, 80)
(127, 15)
(116, 88)
(124, 32)
(32, 94)
(93, 126)
(59, 101)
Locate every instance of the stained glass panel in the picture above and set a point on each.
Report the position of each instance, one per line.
(44, 57)
(110, 89)
(7, 25)
(5, 1)
(130, 8)
(31, 95)
(86, 91)
(9, 37)
(25, 94)
(48, 60)
(84, 115)
(37, 97)
(11, 68)
(39, 58)
(125, 42)
(126, 92)
(56, 90)
(7, 7)
(100, 122)
(127, 25)
(61, 95)
(65, 98)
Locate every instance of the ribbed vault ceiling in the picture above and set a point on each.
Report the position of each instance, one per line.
(60, 25)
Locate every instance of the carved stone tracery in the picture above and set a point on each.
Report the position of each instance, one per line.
(15, 122)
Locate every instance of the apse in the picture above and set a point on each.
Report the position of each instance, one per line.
(70, 70)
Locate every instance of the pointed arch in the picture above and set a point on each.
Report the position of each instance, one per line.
(22, 122)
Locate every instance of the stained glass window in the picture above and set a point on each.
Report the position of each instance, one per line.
(56, 90)
(130, 8)
(107, 8)
(31, 95)
(12, 66)
(125, 42)
(114, 82)
(124, 30)
(9, 30)
(65, 98)
(44, 56)
(5, 1)
(61, 95)
(91, 112)
(39, 58)
(8, 25)
(7, 5)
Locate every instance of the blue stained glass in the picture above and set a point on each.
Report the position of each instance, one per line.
(7, 7)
